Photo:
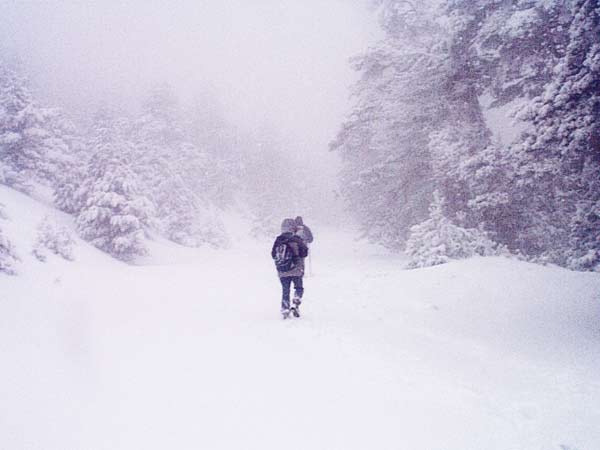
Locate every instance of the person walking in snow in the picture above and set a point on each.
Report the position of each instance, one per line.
(289, 252)
(303, 231)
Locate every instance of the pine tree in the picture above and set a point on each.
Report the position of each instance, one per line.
(19, 119)
(560, 157)
(114, 215)
(32, 138)
(535, 195)
(216, 150)
(68, 196)
(506, 48)
(387, 175)
(177, 175)
(437, 240)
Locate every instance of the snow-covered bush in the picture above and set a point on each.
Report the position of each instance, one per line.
(54, 238)
(192, 231)
(212, 231)
(8, 257)
(437, 240)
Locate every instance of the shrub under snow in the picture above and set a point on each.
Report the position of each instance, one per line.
(56, 239)
(8, 256)
(437, 240)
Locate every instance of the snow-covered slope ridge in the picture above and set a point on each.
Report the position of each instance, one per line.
(24, 215)
(487, 353)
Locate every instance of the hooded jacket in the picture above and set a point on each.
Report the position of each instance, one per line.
(295, 244)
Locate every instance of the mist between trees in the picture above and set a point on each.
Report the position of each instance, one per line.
(428, 167)
(170, 171)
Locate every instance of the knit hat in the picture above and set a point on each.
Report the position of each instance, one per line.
(288, 226)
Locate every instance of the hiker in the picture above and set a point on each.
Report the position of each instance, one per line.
(288, 253)
(303, 231)
(306, 235)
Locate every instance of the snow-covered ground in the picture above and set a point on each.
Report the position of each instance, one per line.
(481, 354)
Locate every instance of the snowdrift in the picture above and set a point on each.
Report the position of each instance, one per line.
(189, 352)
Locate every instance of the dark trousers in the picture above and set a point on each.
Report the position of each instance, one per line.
(298, 290)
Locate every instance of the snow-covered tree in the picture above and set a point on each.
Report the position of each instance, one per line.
(217, 163)
(399, 100)
(115, 215)
(506, 47)
(560, 156)
(540, 54)
(437, 240)
(420, 124)
(19, 129)
(176, 174)
(33, 140)
(271, 184)
(67, 191)
(477, 182)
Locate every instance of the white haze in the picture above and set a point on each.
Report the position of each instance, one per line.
(275, 64)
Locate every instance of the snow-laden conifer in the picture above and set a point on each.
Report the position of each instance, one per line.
(68, 195)
(437, 240)
(33, 140)
(176, 175)
(399, 99)
(115, 215)
(559, 157)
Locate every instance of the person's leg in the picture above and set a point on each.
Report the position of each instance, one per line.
(298, 290)
(285, 298)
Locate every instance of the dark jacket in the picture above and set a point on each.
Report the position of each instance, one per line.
(296, 244)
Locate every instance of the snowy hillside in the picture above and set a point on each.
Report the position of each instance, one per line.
(486, 353)
(149, 152)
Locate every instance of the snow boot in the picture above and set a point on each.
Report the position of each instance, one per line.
(285, 313)
(295, 311)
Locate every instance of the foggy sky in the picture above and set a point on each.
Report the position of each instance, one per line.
(278, 62)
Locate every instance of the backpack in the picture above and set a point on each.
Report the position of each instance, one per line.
(284, 257)
(304, 233)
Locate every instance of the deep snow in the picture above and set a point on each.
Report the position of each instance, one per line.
(487, 353)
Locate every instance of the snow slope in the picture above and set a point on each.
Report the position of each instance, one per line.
(487, 353)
